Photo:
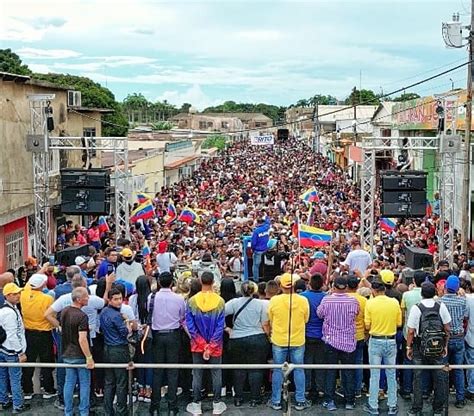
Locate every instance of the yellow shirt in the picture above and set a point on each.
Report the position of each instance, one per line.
(279, 316)
(34, 304)
(383, 315)
(360, 324)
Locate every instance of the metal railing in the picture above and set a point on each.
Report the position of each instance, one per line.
(286, 368)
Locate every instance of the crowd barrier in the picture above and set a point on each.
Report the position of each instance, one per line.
(287, 369)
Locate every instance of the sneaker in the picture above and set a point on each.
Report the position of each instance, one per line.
(223, 391)
(28, 396)
(24, 408)
(412, 412)
(358, 394)
(302, 405)
(49, 394)
(460, 404)
(468, 395)
(99, 393)
(331, 406)
(58, 404)
(274, 406)
(349, 406)
(253, 403)
(218, 408)
(194, 408)
(179, 391)
(370, 410)
(405, 395)
(6, 406)
(393, 410)
(382, 395)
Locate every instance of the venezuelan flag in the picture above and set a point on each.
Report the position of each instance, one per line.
(142, 197)
(143, 212)
(103, 226)
(387, 224)
(311, 195)
(313, 237)
(429, 209)
(189, 216)
(171, 213)
(146, 250)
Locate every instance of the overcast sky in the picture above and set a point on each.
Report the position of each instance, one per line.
(206, 52)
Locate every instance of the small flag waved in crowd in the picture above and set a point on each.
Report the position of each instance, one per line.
(103, 225)
(313, 237)
(146, 249)
(189, 216)
(429, 209)
(311, 195)
(170, 213)
(388, 224)
(143, 211)
(142, 197)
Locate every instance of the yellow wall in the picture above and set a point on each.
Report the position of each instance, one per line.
(147, 174)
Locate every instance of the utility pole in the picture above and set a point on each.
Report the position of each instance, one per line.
(354, 123)
(466, 188)
(316, 128)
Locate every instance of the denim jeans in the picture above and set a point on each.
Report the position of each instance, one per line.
(60, 372)
(74, 375)
(456, 356)
(296, 355)
(359, 359)
(440, 382)
(469, 355)
(257, 260)
(334, 356)
(14, 375)
(382, 350)
(216, 374)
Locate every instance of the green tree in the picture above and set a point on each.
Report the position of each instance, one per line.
(407, 96)
(214, 140)
(185, 108)
(362, 97)
(11, 62)
(93, 95)
(322, 100)
(274, 112)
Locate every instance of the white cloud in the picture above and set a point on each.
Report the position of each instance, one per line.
(194, 95)
(34, 53)
(260, 35)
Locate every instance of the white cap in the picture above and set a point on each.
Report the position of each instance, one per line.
(37, 280)
(79, 260)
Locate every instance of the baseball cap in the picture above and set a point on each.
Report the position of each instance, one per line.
(387, 276)
(162, 247)
(319, 255)
(452, 284)
(287, 280)
(340, 283)
(11, 288)
(37, 280)
(126, 253)
(80, 260)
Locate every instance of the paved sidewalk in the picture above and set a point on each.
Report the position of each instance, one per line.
(45, 407)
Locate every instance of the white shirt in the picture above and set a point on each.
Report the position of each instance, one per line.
(358, 260)
(470, 323)
(129, 272)
(413, 321)
(12, 323)
(165, 261)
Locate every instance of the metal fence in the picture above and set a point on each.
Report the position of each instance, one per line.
(286, 368)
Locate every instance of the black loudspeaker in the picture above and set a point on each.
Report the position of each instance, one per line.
(79, 178)
(406, 180)
(418, 258)
(404, 197)
(400, 209)
(94, 201)
(68, 256)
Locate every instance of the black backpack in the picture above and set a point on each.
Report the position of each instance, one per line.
(431, 334)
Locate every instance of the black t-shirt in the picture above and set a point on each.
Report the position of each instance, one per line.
(73, 321)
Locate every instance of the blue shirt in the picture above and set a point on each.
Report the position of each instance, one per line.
(260, 236)
(113, 327)
(457, 308)
(314, 326)
(102, 271)
(63, 289)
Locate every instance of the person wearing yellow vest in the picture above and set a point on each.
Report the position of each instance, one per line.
(288, 339)
(382, 318)
(38, 332)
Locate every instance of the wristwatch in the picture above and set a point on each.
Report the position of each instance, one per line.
(409, 347)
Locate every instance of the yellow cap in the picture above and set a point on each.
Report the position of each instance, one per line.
(11, 288)
(126, 252)
(387, 277)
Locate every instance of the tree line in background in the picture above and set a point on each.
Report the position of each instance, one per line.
(137, 109)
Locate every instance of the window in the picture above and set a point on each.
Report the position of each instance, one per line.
(14, 245)
(202, 125)
(260, 124)
(210, 124)
(91, 132)
(225, 124)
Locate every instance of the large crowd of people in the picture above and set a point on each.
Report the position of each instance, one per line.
(234, 285)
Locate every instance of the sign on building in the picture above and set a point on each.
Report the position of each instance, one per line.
(262, 140)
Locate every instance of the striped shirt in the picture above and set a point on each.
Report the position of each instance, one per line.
(457, 308)
(339, 312)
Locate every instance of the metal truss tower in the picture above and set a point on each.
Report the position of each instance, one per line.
(40, 143)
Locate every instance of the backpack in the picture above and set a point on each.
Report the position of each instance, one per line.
(431, 334)
(3, 333)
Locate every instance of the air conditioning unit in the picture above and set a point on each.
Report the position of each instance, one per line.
(73, 98)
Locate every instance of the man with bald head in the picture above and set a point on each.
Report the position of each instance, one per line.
(5, 278)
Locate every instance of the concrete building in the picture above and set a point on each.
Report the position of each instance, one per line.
(16, 166)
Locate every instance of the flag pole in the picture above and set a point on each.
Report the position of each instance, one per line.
(330, 259)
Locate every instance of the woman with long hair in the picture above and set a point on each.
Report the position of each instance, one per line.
(139, 304)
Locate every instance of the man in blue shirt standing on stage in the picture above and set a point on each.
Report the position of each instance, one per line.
(260, 237)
